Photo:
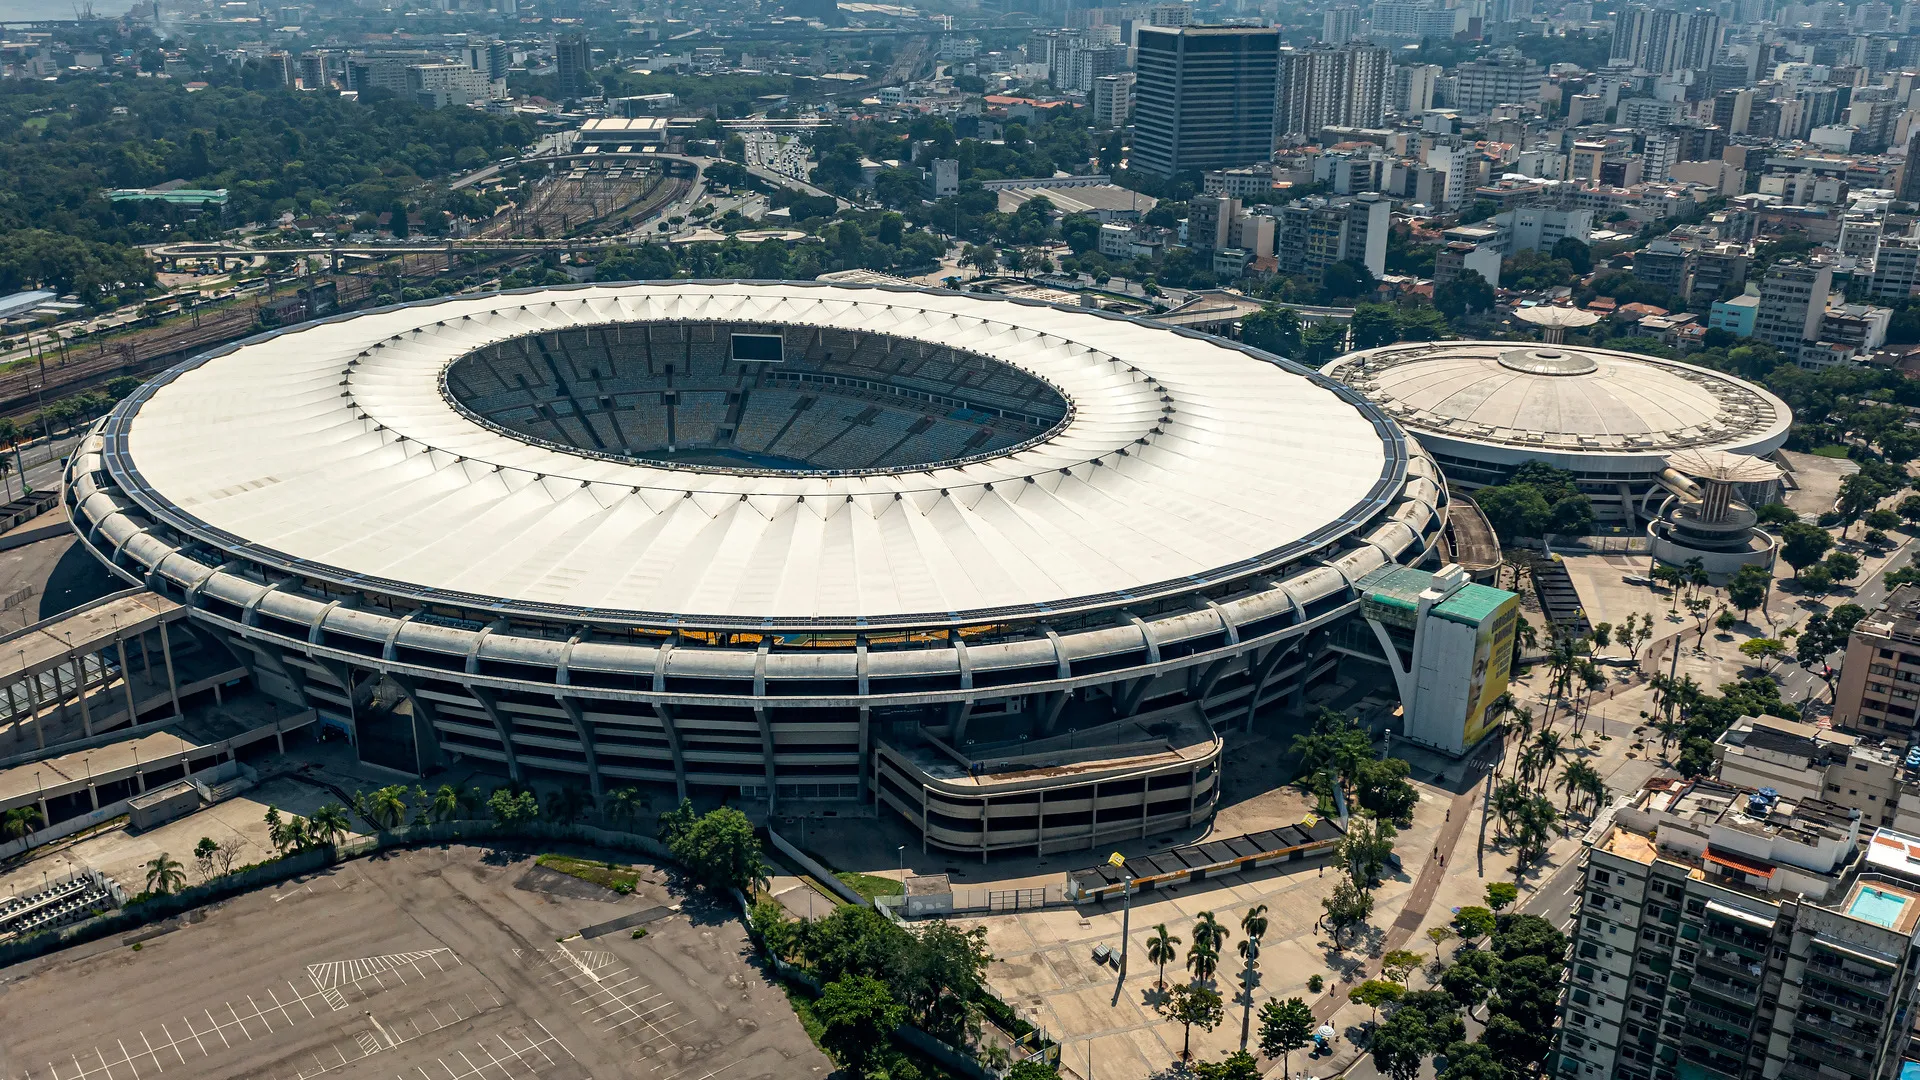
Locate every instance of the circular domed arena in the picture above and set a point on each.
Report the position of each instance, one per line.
(1004, 568)
(1482, 408)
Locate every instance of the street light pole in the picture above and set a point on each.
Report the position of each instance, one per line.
(1126, 917)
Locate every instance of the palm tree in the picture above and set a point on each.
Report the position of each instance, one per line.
(1254, 925)
(164, 875)
(1551, 753)
(444, 804)
(1208, 930)
(624, 805)
(19, 822)
(1162, 947)
(1202, 960)
(328, 824)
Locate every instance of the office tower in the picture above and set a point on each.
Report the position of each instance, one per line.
(1662, 41)
(1340, 25)
(1325, 86)
(1203, 97)
(1112, 99)
(1501, 79)
(1793, 301)
(1736, 933)
(575, 63)
(490, 57)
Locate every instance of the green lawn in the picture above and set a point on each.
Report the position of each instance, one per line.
(607, 875)
(869, 885)
(1830, 451)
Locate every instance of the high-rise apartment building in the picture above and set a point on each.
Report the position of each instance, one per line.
(1340, 24)
(313, 70)
(491, 57)
(280, 67)
(1410, 88)
(1793, 301)
(1328, 86)
(1112, 99)
(1736, 934)
(1203, 97)
(1313, 234)
(1663, 41)
(1505, 78)
(1896, 270)
(574, 61)
(1416, 20)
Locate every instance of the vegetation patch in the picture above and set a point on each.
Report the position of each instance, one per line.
(870, 885)
(607, 875)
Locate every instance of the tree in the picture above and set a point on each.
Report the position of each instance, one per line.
(1803, 545)
(329, 824)
(1464, 294)
(1909, 509)
(1842, 566)
(1347, 905)
(1438, 935)
(1748, 587)
(858, 1014)
(1473, 1061)
(164, 875)
(1774, 515)
(1397, 964)
(508, 807)
(1032, 1069)
(444, 804)
(22, 821)
(1380, 785)
(1399, 1045)
(1470, 978)
(1285, 1026)
(1501, 895)
(1189, 1004)
(1364, 850)
(1473, 922)
(1762, 649)
(718, 848)
(1376, 992)
(1882, 518)
(1161, 948)
(1273, 328)
(203, 855)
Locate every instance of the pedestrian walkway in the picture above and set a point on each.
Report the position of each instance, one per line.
(1415, 911)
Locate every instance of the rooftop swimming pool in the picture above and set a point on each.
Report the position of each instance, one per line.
(1878, 906)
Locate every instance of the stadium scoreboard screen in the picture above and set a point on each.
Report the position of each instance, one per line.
(758, 348)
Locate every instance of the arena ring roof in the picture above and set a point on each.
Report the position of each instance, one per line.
(1574, 406)
(334, 451)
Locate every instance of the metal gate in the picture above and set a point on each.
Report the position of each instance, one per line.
(1015, 899)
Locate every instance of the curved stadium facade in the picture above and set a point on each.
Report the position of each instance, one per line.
(1003, 567)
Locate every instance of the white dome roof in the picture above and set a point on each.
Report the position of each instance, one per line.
(1557, 399)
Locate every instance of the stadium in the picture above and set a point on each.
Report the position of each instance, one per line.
(1613, 419)
(1004, 567)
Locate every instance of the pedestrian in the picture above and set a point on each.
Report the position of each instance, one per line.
(1449, 813)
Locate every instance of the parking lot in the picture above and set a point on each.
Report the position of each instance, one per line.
(437, 964)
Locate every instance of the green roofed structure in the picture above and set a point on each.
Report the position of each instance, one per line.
(1449, 643)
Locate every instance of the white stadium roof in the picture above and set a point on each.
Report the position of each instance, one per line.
(333, 451)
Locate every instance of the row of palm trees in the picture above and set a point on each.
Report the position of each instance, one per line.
(1203, 957)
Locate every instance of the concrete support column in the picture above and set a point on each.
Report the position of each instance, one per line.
(584, 731)
(986, 826)
(502, 725)
(760, 715)
(665, 713)
(80, 682)
(1093, 817)
(126, 683)
(173, 686)
(866, 753)
(39, 723)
